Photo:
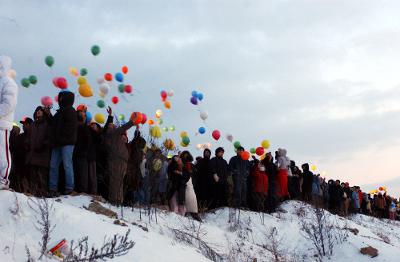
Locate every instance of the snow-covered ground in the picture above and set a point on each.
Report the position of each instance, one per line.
(158, 237)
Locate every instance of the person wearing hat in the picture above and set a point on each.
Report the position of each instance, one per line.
(8, 103)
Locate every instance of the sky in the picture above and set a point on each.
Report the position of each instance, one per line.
(319, 78)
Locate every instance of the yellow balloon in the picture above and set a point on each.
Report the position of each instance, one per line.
(101, 94)
(265, 144)
(81, 80)
(85, 90)
(73, 71)
(158, 113)
(99, 118)
(184, 133)
(155, 132)
(313, 167)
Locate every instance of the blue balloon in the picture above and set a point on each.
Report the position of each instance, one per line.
(119, 77)
(194, 93)
(202, 130)
(193, 100)
(88, 117)
(200, 96)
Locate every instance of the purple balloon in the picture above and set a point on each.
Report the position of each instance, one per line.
(193, 100)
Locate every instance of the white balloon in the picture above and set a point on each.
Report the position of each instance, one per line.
(203, 115)
(171, 93)
(104, 88)
(100, 80)
(229, 137)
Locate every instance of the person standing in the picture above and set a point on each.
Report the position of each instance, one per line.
(307, 182)
(202, 186)
(283, 164)
(218, 180)
(8, 103)
(240, 172)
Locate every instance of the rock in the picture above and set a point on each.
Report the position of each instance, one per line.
(370, 251)
(119, 223)
(97, 208)
(354, 231)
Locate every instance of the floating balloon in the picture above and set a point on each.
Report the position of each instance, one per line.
(203, 115)
(46, 101)
(121, 88)
(167, 104)
(121, 117)
(155, 132)
(108, 76)
(186, 140)
(245, 155)
(260, 151)
(33, 79)
(119, 77)
(104, 88)
(25, 82)
(95, 50)
(313, 167)
(265, 144)
(85, 90)
(194, 93)
(144, 119)
(73, 71)
(171, 93)
(100, 80)
(200, 96)
(165, 129)
(62, 83)
(124, 70)
(81, 80)
(160, 121)
(193, 100)
(216, 134)
(83, 71)
(128, 89)
(56, 98)
(49, 60)
(114, 100)
(169, 144)
(136, 118)
(237, 144)
(163, 94)
(99, 118)
(101, 94)
(101, 103)
(202, 130)
(252, 150)
(183, 134)
(158, 113)
(172, 128)
(150, 122)
(88, 117)
(182, 144)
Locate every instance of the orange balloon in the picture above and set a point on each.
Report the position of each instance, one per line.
(150, 122)
(245, 155)
(167, 104)
(136, 118)
(125, 70)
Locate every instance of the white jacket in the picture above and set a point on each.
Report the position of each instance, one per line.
(8, 94)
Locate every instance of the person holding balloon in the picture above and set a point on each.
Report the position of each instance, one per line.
(8, 103)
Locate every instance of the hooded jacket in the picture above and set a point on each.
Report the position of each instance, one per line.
(8, 94)
(65, 121)
(283, 162)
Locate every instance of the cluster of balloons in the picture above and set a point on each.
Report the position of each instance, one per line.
(196, 97)
(26, 81)
(138, 118)
(84, 88)
(185, 139)
(164, 98)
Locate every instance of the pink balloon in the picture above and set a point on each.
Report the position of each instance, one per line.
(46, 101)
(216, 134)
(55, 79)
(144, 119)
(62, 83)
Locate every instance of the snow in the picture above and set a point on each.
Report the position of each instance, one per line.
(242, 241)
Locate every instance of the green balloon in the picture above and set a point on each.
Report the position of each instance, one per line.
(172, 128)
(101, 103)
(160, 121)
(121, 117)
(185, 140)
(49, 60)
(33, 79)
(95, 50)
(83, 72)
(252, 150)
(237, 144)
(25, 82)
(165, 129)
(121, 88)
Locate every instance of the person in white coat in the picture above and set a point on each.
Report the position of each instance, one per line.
(8, 102)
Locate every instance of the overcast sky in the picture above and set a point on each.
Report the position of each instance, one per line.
(319, 78)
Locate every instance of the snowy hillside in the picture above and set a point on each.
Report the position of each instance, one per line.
(164, 236)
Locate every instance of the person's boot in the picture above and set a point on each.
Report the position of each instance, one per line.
(53, 193)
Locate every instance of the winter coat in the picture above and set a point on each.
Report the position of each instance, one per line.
(356, 200)
(204, 178)
(259, 180)
(94, 145)
(380, 202)
(83, 141)
(307, 181)
(239, 167)
(8, 94)
(117, 149)
(219, 166)
(315, 186)
(39, 144)
(65, 121)
(283, 162)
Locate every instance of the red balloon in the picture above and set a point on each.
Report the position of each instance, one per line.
(144, 119)
(108, 77)
(55, 81)
(128, 89)
(62, 82)
(216, 134)
(136, 118)
(164, 94)
(260, 151)
(56, 98)
(163, 99)
(125, 70)
(245, 155)
(114, 100)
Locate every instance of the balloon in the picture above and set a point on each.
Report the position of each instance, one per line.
(104, 88)
(101, 103)
(229, 137)
(88, 117)
(119, 77)
(163, 99)
(380, 188)
(56, 98)
(313, 167)
(194, 93)
(100, 80)
(216, 134)
(136, 118)
(155, 132)
(33, 79)
(172, 128)
(81, 80)
(83, 72)
(99, 118)
(185, 140)
(62, 83)
(171, 93)
(193, 100)
(182, 144)
(55, 81)
(237, 144)
(260, 151)
(128, 89)
(101, 94)
(202, 130)
(167, 104)
(144, 119)
(200, 96)
(245, 155)
(203, 115)
(121, 117)
(121, 88)
(49, 60)
(183, 134)
(25, 82)
(158, 113)
(150, 122)
(108, 77)
(124, 70)
(46, 101)
(163, 94)
(114, 100)
(73, 71)
(95, 50)
(160, 121)
(165, 129)
(265, 144)
(85, 90)
(169, 144)
(252, 150)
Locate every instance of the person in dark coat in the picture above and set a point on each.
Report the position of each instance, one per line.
(307, 182)
(38, 157)
(202, 185)
(13, 141)
(64, 128)
(177, 191)
(117, 159)
(240, 172)
(294, 181)
(218, 180)
(95, 142)
(272, 171)
(81, 153)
